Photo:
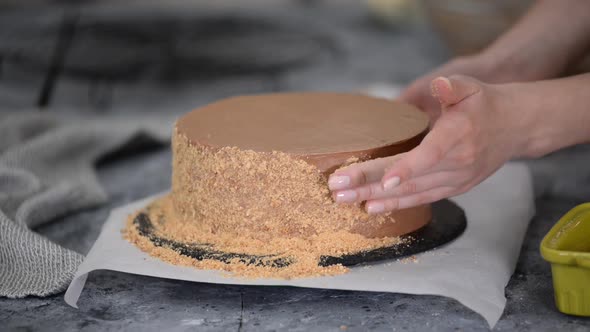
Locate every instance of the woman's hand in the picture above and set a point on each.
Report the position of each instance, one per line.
(543, 44)
(418, 92)
(477, 131)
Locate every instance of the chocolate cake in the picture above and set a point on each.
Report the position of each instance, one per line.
(250, 178)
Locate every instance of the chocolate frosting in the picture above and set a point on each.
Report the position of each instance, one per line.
(325, 129)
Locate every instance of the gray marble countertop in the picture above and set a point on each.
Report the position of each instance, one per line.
(117, 301)
(361, 53)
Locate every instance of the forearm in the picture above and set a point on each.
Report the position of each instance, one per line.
(557, 113)
(551, 36)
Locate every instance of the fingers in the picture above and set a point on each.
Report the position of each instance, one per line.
(397, 203)
(369, 191)
(452, 90)
(422, 159)
(424, 183)
(446, 133)
(374, 191)
(418, 95)
(360, 174)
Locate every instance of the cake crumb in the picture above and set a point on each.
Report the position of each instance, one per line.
(411, 259)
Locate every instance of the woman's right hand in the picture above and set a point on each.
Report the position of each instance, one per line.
(481, 127)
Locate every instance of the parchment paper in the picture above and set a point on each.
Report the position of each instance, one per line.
(474, 269)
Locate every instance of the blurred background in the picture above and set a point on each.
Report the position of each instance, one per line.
(164, 58)
(171, 56)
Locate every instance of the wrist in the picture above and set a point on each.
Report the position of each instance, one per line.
(549, 115)
(519, 120)
(511, 64)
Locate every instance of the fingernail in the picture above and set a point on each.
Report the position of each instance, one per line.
(434, 86)
(375, 207)
(346, 196)
(391, 183)
(337, 182)
(446, 80)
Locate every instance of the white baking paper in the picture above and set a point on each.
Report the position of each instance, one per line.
(474, 269)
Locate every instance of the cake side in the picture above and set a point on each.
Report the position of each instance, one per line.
(264, 195)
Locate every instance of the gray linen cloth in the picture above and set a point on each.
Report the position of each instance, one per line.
(47, 170)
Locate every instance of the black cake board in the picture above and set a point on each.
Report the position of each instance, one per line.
(448, 223)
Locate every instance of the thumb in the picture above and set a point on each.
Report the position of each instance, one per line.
(452, 90)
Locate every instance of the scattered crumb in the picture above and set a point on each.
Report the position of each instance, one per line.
(411, 259)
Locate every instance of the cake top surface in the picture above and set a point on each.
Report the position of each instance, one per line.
(303, 123)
